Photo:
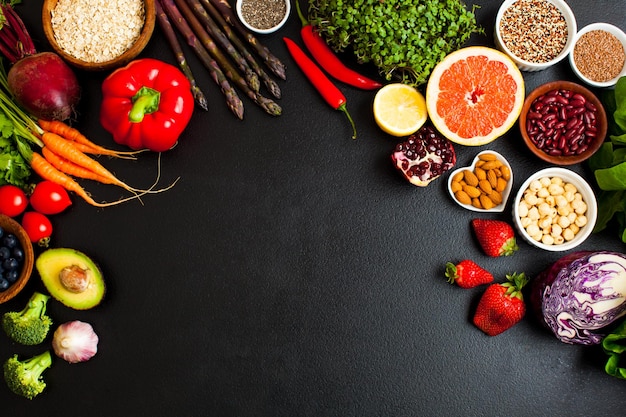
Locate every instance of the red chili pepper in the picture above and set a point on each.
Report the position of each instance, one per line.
(333, 96)
(328, 60)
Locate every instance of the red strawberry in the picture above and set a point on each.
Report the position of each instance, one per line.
(467, 274)
(496, 237)
(502, 305)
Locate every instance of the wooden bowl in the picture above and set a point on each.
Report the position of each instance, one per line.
(121, 60)
(11, 226)
(595, 142)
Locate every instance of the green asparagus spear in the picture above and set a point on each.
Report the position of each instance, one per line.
(266, 104)
(168, 30)
(232, 99)
(270, 84)
(270, 60)
(218, 36)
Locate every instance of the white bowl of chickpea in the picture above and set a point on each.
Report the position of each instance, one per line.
(555, 209)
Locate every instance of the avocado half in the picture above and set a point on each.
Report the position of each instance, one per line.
(71, 277)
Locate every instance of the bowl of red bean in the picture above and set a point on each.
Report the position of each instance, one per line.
(599, 55)
(563, 123)
(535, 34)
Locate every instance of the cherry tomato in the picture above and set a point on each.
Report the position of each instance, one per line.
(49, 198)
(38, 227)
(13, 200)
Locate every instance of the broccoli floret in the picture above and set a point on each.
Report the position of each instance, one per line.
(31, 325)
(24, 377)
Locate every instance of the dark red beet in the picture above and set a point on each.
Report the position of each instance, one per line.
(45, 86)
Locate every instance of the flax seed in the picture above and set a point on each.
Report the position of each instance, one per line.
(599, 55)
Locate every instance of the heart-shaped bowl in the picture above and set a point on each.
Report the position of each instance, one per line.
(460, 186)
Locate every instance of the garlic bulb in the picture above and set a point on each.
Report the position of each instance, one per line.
(75, 341)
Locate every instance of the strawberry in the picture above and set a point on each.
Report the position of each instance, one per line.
(502, 305)
(467, 274)
(496, 237)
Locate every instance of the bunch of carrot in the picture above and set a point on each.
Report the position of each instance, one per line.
(65, 156)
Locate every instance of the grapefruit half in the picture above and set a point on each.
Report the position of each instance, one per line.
(474, 95)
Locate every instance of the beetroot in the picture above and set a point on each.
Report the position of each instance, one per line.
(42, 83)
(424, 156)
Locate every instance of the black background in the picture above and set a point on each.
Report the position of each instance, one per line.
(293, 272)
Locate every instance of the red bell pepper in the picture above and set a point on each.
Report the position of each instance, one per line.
(146, 104)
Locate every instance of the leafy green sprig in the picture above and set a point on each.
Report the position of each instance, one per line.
(404, 40)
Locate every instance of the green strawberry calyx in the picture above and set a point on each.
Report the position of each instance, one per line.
(514, 284)
(509, 247)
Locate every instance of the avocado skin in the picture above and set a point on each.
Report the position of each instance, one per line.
(50, 263)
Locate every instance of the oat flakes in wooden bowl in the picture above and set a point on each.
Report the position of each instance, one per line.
(101, 40)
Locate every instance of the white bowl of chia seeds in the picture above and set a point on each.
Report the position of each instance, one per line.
(535, 34)
(599, 55)
(263, 16)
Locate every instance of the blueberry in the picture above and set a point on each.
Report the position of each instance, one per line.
(5, 253)
(10, 240)
(18, 254)
(1, 232)
(11, 276)
(10, 264)
(4, 284)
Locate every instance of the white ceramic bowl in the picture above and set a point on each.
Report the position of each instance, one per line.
(615, 31)
(588, 197)
(264, 31)
(505, 194)
(529, 66)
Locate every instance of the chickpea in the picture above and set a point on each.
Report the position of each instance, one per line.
(552, 210)
(580, 221)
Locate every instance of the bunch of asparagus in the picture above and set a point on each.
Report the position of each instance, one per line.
(221, 42)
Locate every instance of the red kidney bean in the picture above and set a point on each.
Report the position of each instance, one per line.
(561, 122)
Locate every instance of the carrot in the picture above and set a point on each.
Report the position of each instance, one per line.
(47, 171)
(72, 134)
(65, 149)
(70, 168)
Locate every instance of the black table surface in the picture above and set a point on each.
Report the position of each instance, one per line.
(292, 271)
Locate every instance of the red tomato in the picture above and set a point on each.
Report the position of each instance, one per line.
(49, 198)
(38, 227)
(13, 200)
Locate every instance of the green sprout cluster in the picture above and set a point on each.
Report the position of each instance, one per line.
(403, 39)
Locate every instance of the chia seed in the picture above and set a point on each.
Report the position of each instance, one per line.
(534, 30)
(263, 14)
(599, 55)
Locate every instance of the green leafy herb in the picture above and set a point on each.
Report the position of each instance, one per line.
(14, 169)
(404, 40)
(614, 345)
(609, 163)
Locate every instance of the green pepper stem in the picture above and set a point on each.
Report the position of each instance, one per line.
(146, 101)
(303, 19)
(344, 109)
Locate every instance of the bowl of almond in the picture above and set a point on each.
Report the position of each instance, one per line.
(485, 185)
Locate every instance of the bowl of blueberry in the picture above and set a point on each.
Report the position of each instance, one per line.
(16, 258)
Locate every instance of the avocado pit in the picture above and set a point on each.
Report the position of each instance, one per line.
(74, 278)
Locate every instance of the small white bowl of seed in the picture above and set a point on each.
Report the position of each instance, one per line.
(535, 34)
(485, 185)
(599, 55)
(263, 16)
